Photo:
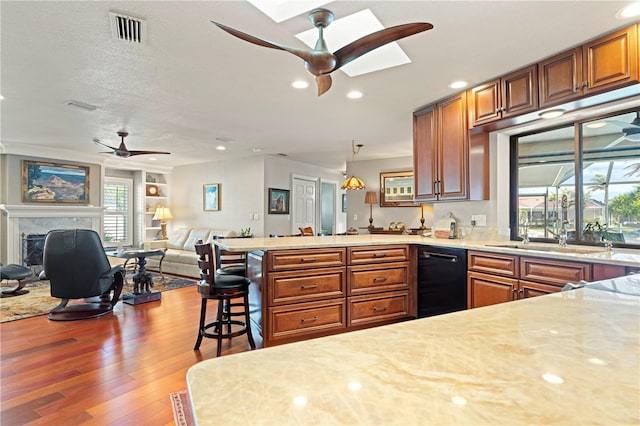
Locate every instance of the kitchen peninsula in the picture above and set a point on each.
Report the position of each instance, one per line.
(307, 287)
(565, 358)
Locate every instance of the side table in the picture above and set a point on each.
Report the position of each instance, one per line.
(142, 280)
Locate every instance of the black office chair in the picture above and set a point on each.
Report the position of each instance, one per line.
(222, 288)
(77, 267)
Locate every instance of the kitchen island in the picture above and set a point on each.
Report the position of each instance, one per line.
(564, 358)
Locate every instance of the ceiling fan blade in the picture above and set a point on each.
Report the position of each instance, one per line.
(372, 41)
(324, 83)
(303, 54)
(99, 142)
(615, 142)
(146, 152)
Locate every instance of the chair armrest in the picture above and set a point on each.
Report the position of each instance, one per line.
(114, 270)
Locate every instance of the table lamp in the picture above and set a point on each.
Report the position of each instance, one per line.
(371, 198)
(163, 214)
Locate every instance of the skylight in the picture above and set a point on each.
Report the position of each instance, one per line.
(281, 10)
(350, 28)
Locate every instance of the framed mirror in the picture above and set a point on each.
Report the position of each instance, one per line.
(396, 189)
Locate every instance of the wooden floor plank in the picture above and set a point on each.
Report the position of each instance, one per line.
(114, 370)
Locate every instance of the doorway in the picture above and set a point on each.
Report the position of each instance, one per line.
(328, 192)
(304, 203)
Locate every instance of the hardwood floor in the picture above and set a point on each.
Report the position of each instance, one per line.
(114, 370)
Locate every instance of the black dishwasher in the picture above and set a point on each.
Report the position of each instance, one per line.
(442, 280)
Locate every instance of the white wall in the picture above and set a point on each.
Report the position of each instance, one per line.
(241, 195)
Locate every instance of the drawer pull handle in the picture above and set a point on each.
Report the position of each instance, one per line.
(379, 279)
(376, 309)
(303, 287)
(303, 320)
(308, 259)
(379, 254)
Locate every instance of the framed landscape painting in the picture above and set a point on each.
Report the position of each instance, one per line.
(54, 183)
(211, 196)
(278, 201)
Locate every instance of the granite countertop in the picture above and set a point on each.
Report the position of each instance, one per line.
(622, 257)
(564, 358)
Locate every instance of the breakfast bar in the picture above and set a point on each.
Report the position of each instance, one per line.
(565, 358)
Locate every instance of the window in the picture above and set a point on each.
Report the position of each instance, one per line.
(118, 216)
(582, 178)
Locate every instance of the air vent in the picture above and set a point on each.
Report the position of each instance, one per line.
(128, 28)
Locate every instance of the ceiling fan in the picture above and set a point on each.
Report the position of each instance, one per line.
(630, 131)
(320, 61)
(122, 151)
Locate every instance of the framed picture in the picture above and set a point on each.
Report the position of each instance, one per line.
(344, 203)
(211, 196)
(278, 201)
(54, 183)
(396, 189)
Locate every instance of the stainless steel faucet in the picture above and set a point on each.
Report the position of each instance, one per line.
(562, 239)
(525, 233)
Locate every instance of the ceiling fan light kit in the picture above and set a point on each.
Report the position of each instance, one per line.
(320, 61)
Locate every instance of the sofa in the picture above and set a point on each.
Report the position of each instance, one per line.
(180, 257)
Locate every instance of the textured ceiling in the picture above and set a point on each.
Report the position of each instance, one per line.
(191, 83)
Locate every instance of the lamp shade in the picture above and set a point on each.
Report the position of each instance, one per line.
(353, 183)
(371, 197)
(162, 213)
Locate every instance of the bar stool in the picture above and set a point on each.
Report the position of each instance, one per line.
(222, 288)
(230, 262)
(16, 273)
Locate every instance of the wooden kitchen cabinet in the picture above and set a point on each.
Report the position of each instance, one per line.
(496, 278)
(603, 64)
(441, 151)
(508, 96)
(379, 286)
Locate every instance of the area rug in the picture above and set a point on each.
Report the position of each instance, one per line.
(39, 301)
(181, 405)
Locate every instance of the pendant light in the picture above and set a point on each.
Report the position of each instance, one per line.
(353, 182)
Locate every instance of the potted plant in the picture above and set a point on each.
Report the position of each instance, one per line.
(245, 232)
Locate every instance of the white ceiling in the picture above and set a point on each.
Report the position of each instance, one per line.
(192, 83)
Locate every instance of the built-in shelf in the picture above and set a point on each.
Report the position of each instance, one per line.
(154, 183)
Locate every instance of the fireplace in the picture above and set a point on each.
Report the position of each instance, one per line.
(27, 225)
(32, 249)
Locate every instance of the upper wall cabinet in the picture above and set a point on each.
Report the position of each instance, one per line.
(603, 64)
(513, 94)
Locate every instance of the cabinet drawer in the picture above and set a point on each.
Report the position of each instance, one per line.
(305, 286)
(493, 263)
(553, 272)
(304, 259)
(377, 254)
(287, 322)
(378, 308)
(364, 279)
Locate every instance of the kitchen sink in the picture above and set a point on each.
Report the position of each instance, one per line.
(550, 248)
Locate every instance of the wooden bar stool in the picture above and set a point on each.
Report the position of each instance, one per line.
(222, 288)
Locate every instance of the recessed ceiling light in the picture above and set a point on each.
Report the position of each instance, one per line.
(153, 159)
(596, 125)
(350, 28)
(458, 84)
(630, 11)
(1, 97)
(551, 113)
(354, 94)
(221, 147)
(300, 84)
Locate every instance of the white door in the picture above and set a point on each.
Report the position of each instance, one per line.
(304, 203)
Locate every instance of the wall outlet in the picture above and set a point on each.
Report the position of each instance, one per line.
(479, 219)
(355, 217)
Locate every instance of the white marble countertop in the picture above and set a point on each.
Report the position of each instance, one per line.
(622, 257)
(564, 358)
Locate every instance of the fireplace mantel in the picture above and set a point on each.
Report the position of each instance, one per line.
(38, 210)
(37, 218)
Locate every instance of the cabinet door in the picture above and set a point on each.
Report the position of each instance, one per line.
(484, 289)
(377, 308)
(560, 78)
(453, 148)
(484, 103)
(611, 61)
(424, 154)
(554, 272)
(519, 92)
